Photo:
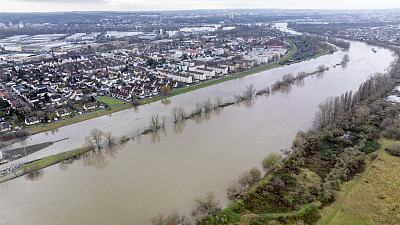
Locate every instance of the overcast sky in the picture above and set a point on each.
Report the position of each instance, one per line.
(146, 5)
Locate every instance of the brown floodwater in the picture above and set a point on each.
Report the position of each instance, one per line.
(162, 172)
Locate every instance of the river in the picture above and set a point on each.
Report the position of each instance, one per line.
(164, 172)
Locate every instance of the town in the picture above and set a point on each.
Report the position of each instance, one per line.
(49, 77)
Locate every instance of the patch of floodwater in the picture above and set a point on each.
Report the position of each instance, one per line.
(393, 98)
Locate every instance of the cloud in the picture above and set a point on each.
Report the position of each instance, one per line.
(65, 1)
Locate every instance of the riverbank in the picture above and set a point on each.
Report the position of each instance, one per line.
(43, 163)
(322, 161)
(378, 188)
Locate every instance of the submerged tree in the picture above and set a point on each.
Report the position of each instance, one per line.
(96, 136)
(110, 140)
(345, 59)
(155, 122)
(206, 206)
(270, 161)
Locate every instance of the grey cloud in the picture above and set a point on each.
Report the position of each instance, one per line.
(66, 1)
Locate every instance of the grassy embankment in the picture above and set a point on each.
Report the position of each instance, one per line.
(373, 197)
(45, 162)
(52, 126)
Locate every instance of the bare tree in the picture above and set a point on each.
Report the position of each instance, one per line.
(245, 179)
(155, 122)
(181, 114)
(97, 137)
(321, 68)
(234, 191)
(345, 59)
(40, 115)
(175, 114)
(89, 143)
(207, 106)
(247, 94)
(288, 79)
(110, 140)
(165, 88)
(163, 121)
(207, 205)
(218, 102)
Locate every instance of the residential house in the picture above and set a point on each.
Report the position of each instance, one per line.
(4, 126)
(31, 121)
(63, 112)
(90, 105)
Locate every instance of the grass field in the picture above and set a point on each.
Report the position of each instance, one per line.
(51, 160)
(373, 197)
(44, 162)
(110, 101)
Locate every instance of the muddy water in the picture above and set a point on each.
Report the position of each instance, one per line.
(165, 172)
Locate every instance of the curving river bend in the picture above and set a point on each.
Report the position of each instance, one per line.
(166, 171)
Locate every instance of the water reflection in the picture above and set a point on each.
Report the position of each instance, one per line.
(179, 127)
(95, 159)
(64, 164)
(246, 103)
(53, 131)
(155, 135)
(320, 74)
(299, 82)
(136, 109)
(112, 151)
(286, 89)
(34, 175)
(217, 111)
(166, 101)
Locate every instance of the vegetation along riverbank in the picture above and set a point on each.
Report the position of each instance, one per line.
(347, 141)
(353, 136)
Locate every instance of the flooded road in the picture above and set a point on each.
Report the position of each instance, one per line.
(163, 172)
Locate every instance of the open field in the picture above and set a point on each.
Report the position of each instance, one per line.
(110, 101)
(373, 197)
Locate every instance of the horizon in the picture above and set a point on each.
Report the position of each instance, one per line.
(48, 6)
(188, 10)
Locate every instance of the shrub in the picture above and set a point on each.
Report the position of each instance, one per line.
(270, 161)
(394, 149)
(255, 175)
(234, 191)
(311, 216)
(327, 151)
(371, 146)
(123, 139)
